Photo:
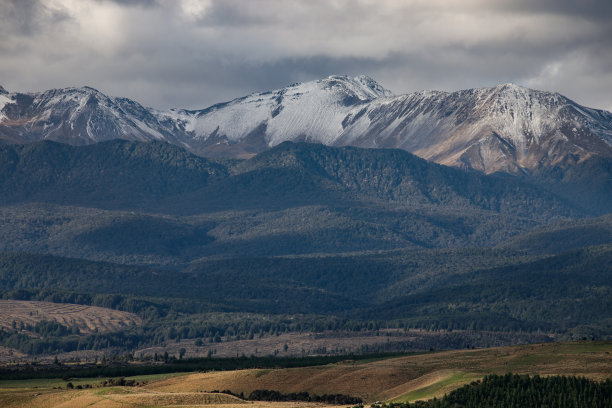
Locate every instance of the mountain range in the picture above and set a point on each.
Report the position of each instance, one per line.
(359, 237)
(327, 205)
(506, 128)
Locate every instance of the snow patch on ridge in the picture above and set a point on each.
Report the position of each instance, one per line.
(5, 99)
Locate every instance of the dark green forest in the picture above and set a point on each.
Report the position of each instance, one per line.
(510, 391)
(329, 293)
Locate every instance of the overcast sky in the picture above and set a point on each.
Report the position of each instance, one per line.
(193, 53)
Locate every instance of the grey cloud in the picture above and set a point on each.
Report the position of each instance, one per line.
(131, 3)
(235, 13)
(198, 85)
(165, 53)
(591, 9)
(27, 17)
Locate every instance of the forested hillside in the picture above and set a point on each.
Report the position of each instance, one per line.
(301, 237)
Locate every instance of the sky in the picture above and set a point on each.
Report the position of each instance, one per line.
(194, 53)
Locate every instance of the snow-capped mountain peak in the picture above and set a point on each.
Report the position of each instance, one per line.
(362, 86)
(312, 111)
(77, 116)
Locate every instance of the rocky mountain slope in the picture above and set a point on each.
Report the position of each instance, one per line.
(505, 128)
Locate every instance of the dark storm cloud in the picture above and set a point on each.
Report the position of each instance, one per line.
(192, 53)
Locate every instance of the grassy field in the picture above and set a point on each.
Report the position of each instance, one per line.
(86, 318)
(405, 378)
(46, 383)
(435, 384)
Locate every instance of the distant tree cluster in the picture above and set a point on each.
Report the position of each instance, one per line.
(119, 366)
(120, 382)
(276, 396)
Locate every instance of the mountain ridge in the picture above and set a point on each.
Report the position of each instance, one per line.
(155, 203)
(134, 172)
(506, 128)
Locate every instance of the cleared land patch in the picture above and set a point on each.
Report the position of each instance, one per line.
(343, 343)
(86, 318)
(9, 353)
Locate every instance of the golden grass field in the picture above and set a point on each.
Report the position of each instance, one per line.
(395, 379)
(86, 318)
